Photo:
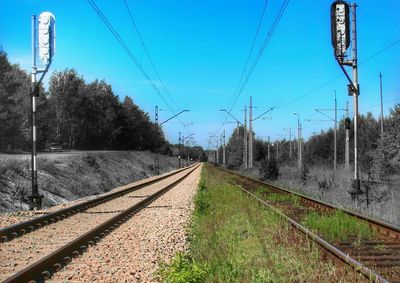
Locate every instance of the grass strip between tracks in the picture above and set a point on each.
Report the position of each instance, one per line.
(338, 226)
(233, 238)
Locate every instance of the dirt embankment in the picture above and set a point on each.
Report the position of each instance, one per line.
(66, 177)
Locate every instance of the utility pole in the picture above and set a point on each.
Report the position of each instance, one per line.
(299, 140)
(155, 140)
(335, 128)
(179, 150)
(223, 149)
(380, 87)
(347, 146)
(290, 140)
(245, 164)
(217, 152)
(301, 146)
(46, 43)
(187, 150)
(251, 133)
(277, 149)
(341, 12)
(156, 158)
(35, 199)
(268, 150)
(335, 133)
(356, 93)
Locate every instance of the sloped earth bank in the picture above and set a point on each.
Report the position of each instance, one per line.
(65, 177)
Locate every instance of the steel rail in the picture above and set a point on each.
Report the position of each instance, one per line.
(357, 266)
(22, 228)
(392, 230)
(46, 266)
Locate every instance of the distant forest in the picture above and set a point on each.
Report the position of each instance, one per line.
(74, 114)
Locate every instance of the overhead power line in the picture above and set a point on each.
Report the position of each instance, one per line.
(251, 49)
(242, 83)
(148, 54)
(261, 51)
(339, 76)
(127, 50)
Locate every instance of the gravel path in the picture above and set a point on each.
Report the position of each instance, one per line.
(22, 251)
(8, 219)
(131, 252)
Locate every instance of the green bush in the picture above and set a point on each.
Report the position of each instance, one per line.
(182, 269)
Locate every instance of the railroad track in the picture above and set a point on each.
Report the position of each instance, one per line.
(33, 250)
(377, 258)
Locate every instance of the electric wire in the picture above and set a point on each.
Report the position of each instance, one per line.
(148, 53)
(251, 49)
(340, 75)
(126, 49)
(152, 63)
(261, 51)
(255, 62)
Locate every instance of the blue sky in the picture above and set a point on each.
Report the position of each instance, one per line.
(199, 49)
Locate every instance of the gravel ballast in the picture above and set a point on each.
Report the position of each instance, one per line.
(131, 253)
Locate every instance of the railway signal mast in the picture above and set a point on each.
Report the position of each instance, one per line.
(340, 28)
(43, 42)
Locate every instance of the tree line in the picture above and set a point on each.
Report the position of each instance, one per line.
(379, 156)
(73, 113)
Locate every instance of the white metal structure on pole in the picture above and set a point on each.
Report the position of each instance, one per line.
(35, 199)
(43, 41)
(343, 20)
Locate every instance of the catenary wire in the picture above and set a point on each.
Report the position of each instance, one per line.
(148, 53)
(126, 49)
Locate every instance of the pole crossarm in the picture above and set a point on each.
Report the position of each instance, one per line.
(173, 116)
(269, 110)
(332, 119)
(189, 136)
(316, 120)
(224, 110)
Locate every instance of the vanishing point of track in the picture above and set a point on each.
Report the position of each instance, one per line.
(33, 250)
(378, 259)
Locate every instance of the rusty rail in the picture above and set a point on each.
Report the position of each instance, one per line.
(360, 260)
(379, 224)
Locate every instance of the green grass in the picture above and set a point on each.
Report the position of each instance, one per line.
(291, 199)
(338, 226)
(233, 238)
(182, 269)
(260, 191)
